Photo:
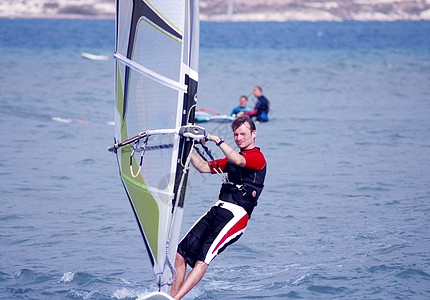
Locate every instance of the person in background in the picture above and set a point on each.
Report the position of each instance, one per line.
(243, 101)
(226, 221)
(261, 109)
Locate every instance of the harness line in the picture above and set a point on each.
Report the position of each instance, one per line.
(142, 153)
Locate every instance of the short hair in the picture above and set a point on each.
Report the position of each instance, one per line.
(242, 119)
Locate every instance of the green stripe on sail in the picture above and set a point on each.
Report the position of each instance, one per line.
(144, 203)
(146, 209)
(119, 92)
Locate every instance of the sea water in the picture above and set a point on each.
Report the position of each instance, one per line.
(345, 212)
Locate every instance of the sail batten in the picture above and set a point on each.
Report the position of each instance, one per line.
(147, 72)
(156, 56)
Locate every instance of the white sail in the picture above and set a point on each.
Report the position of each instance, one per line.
(155, 90)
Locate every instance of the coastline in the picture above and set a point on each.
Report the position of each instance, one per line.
(234, 10)
(222, 18)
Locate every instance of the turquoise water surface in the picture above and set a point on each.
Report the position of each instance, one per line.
(345, 211)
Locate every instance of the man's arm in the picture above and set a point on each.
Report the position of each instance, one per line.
(232, 155)
(251, 112)
(199, 163)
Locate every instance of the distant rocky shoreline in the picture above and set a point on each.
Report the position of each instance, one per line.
(237, 10)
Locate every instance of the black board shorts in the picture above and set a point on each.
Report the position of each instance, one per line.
(221, 226)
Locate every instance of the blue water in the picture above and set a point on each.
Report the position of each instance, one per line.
(346, 209)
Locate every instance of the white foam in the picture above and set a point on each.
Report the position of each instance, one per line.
(124, 293)
(61, 120)
(67, 277)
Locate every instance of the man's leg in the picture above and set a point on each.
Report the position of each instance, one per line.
(181, 268)
(192, 279)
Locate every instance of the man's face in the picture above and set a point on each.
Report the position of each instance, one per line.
(256, 91)
(243, 101)
(244, 137)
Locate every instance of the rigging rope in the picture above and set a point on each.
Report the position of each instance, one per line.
(217, 168)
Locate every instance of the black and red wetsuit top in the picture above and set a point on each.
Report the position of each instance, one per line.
(245, 184)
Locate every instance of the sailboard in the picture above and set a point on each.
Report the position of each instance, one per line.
(208, 115)
(94, 56)
(156, 78)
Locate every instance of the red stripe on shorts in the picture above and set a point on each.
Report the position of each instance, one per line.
(241, 224)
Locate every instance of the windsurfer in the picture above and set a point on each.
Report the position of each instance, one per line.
(226, 221)
(261, 109)
(243, 101)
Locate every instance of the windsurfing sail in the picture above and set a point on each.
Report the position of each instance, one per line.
(156, 76)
